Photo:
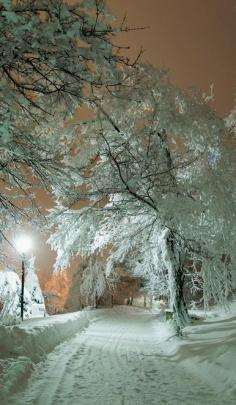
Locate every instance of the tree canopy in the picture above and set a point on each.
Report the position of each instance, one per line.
(158, 189)
(54, 56)
(151, 165)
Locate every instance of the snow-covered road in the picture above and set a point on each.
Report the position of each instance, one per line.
(117, 360)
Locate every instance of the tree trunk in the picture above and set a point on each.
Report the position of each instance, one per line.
(176, 280)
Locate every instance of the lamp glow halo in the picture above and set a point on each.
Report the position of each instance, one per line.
(23, 244)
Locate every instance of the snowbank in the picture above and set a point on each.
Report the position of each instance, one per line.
(34, 338)
(24, 345)
(207, 349)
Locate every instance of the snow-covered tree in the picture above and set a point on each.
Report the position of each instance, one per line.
(10, 290)
(32, 157)
(32, 284)
(93, 282)
(54, 48)
(9, 295)
(230, 121)
(54, 56)
(158, 170)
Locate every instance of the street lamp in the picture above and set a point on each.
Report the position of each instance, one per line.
(23, 244)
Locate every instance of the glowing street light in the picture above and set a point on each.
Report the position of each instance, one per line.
(23, 244)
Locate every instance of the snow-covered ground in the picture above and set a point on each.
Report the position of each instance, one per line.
(123, 355)
(24, 345)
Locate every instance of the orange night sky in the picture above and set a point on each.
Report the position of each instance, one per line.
(195, 39)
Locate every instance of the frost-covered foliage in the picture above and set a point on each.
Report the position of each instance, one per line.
(230, 120)
(76, 232)
(93, 282)
(31, 158)
(54, 56)
(10, 293)
(32, 283)
(159, 188)
(54, 48)
(10, 290)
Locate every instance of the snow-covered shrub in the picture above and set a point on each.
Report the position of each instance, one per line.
(10, 290)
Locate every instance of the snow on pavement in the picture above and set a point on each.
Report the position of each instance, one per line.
(117, 360)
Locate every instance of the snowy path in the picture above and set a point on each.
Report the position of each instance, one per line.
(116, 361)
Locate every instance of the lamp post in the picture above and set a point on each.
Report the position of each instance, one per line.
(23, 244)
(22, 287)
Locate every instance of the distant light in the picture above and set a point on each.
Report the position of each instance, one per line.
(23, 244)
